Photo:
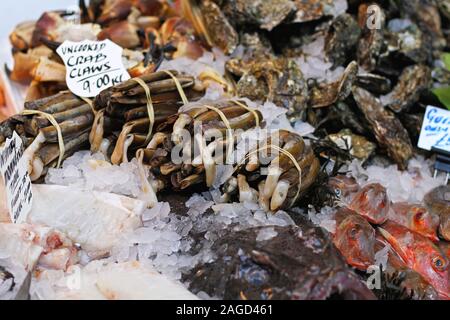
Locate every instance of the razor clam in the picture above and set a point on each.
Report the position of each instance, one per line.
(196, 168)
(69, 128)
(126, 104)
(281, 189)
(387, 129)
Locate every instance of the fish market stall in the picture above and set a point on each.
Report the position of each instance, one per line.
(227, 149)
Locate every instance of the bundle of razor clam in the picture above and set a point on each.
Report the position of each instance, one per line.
(291, 171)
(128, 112)
(276, 175)
(51, 129)
(208, 118)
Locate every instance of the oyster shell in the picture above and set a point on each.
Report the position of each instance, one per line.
(265, 14)
(326, 94)
(412, 82)
(278, 80)
(388, 130)
(341, 39)
(358, 146)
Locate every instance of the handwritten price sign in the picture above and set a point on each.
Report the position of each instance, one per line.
(14, 170)
(435, 129)
(92, 66)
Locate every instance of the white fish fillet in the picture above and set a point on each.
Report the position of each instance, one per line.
(19, 243)
(94, 220)
(24, 246)
(100, 280)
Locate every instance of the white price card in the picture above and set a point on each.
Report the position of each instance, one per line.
(92, 66)
(435, 129)
(14, 170)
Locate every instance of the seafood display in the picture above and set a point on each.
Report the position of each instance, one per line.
(258, 150)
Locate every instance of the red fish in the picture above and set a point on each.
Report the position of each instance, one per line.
(417, 218)
(372, 202)
(412, 282)
(419, 254)
(343, 187)
(438, 202)
(355, 239)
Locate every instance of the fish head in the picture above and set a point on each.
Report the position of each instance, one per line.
(424, 222)
(419, 254)
(372, 202)
(343, 187)
(355, 239)
(434, 266)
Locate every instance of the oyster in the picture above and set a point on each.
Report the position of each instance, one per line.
(358, 146)
(387, 129)
(220, 30)
(341, 39)
(372, 40)
(374, 83)
(325, 94)
(310, 10)
(278, 80)
(265, 14)
(413, 81)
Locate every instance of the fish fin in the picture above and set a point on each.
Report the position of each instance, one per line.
(393, 242)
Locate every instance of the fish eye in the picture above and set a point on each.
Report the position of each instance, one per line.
(419, 216)
(337, 192)
(439, 263)
(353, 232)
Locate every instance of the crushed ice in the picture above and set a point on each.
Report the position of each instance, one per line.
(410, 185)
(175, 244)
(93, 172)
(324, 219)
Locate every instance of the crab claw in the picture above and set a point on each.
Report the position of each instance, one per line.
(122, 33)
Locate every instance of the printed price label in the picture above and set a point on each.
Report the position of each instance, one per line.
(14, 170)
(92, 66)
(435, 129)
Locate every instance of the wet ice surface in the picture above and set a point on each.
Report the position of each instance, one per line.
(266, 234)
